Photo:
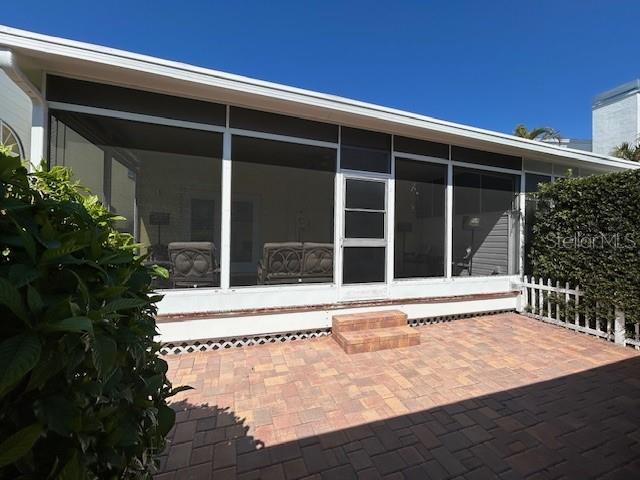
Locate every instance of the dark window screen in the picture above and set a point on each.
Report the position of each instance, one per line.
(81, 92)
(363, 265)
(470, 155)
(365, 151)
(258, 121)
(364, 224)
(420, 147)
(419, 219)
(365, 194)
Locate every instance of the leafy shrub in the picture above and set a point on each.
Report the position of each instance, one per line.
(587, 233)
(82, 389)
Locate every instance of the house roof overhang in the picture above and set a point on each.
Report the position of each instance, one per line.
(39, 53)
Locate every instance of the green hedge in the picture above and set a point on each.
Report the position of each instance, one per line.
(82, 389)
(587, 233)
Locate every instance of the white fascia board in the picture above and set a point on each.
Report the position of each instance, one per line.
(54, 46)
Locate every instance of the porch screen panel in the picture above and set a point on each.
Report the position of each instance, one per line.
(365, 151)
(485, 223)
(165, 181)
(282, 197)
(419, 219)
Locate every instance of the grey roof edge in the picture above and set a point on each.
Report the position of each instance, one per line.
(625, 89)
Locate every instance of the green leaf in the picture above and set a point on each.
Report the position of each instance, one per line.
(71, 324)
(34, 300)
(181, 388)
(72, 469)
(124, 304)
(104, 354)
(27, 241)
(18, 356)
(8, 162)
(10, 296)
(55, 253)
(84, 291)
(166, 419)
(18, 445)
(160, 272)
(21, 274)
(59, 414)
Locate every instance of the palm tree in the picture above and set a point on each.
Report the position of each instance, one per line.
(540, 133)
(627, 151)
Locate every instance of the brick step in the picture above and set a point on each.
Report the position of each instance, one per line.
(371, 340)
(363, 321)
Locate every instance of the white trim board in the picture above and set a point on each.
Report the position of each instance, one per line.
(252, 325)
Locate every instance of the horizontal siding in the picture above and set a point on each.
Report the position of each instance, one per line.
(492, 255)
(15, 110)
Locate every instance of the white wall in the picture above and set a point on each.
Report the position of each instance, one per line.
(615, 122)
(15, 110)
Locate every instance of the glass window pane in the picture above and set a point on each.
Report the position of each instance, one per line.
(364, 150)
(485, 223)
(419, 219)
(165, 181)
(258, 121)
(281, 212)
(359, 224)
(365, 195)
(363, 265)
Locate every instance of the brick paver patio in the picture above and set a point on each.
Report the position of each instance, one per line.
(499, 396)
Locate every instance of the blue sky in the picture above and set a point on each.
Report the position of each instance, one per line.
(489, 64)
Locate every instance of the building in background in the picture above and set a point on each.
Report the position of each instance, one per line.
(616, 117)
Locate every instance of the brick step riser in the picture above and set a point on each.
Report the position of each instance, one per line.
(372, 321)
(375, 345)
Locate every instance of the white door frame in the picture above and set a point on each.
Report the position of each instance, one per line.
(363, 291)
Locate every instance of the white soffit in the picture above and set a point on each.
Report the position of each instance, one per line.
(83, 60)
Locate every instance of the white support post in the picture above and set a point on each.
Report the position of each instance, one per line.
(338, 214)
(521, 224)
(390, 227)
(540, 298)
(37, 151)
(557, 302)
(225, 228)
(577, 312)
(619, 333)
(449, 219)
(566, 303)
(549, 299)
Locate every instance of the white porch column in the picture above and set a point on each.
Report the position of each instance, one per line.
(38, 132)
(225, 228)
(449, 220)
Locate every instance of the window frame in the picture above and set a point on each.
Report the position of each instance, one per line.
(4, 125)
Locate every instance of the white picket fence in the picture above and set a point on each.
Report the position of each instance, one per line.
(539, 304)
